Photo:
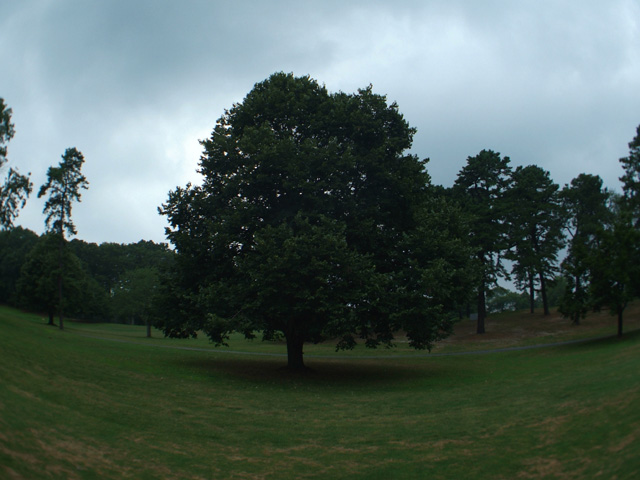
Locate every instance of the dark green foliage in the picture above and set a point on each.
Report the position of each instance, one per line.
(63, 186)
(107, 262)
(585, 204)
(536, 224)
(64, 183)
(15, 245)
(133, 295)
(306, 225)
(16, 188)
(500, 299)
(631, 178)
(38, 287)
(481, 188)
(615, 263)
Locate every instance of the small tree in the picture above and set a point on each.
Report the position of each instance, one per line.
(64, 183)
(16, 188)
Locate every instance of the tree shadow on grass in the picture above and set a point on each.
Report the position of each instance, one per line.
(319, 371)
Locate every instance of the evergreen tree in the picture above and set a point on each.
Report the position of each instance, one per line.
(585, 204)
(64, 183)
(481, 188)
(536, 230)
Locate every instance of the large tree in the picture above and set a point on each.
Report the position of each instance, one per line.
(306, 225)
(63, 185)
(536, 223)
(16, 187)
(481, 188)
(585, 204)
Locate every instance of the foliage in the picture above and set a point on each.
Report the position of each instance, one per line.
(631, 178)
(299, 225)
(134, 293)
(585, 204)
(615, 264)
(64, 183)
(15, 245)
(38, 287)
(16, 188)
(500, 299)
(536, 230)
(481, 188)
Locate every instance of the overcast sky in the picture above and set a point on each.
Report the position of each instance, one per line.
(135, 84)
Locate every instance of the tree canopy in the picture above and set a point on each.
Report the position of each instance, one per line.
(536, 230)
(481, 188)
(306, 225)
(16, 187)
(64, 183)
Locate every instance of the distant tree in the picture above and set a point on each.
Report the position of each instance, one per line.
(535, 230)
(64, 183)
(631, 178)
(481, 188)
(500, 299)
(307, 225)
(107, 262)
(16, 188)
(585, 204)
(37, 286)
(556, 290)
(134, 295)
(15, 245)
(615, 263)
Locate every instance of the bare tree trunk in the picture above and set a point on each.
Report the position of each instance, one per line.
(482, 307)
(295, 343)
(532, 293)
(61, 266)
(619, 322)
(576, 315)
(543, 293)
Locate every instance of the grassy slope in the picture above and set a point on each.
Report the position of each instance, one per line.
(79, 407)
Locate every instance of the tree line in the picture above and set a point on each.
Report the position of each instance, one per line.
(49, 273)
(313, 222)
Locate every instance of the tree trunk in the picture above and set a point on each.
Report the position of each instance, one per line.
(148, 328)
(482, 307)
(620, 322)
(576, 315)
(532, 294)
(543, 293)
(51, 315)
(295, 343)
(60, 301)
(60, 264)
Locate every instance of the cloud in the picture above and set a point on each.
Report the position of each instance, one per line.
(135, 85)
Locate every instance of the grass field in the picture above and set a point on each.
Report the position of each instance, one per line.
(102, 401)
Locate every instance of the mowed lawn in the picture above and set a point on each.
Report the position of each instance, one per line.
(73, 406)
